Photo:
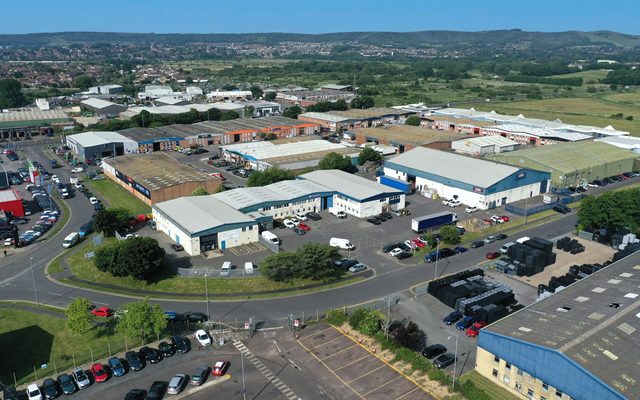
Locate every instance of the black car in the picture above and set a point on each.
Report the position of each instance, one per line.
(598, 182)
(299, 231)
(561, 208)
(434, 351)
(136, 394)
(444, 360)
(446, 252)
(196, 317)
(66, 384)
(404, 247)
(157, 390)
(476, 243)
(167, 349)
(150, 355)
(381, 217)
(374, 221)
(10, 393)
(387, 215)
(314, 216)
(390, 247)
(346, 263)
(182, 344)
(403, 255)
(501, 236)
(134, 360)
(50, 389)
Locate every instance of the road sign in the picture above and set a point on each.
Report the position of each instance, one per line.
(247, 325)
(296, 323)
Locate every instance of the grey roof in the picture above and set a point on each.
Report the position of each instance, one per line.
(350, 185)
(98, 138)
(99, 104)
(580, 323)
(465, 169)
(493, 140)
(324, 116)
(276, 192)
(195, 214)
(257, 124)
(9, 195)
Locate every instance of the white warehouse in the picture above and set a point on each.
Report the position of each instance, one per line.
(475, 182)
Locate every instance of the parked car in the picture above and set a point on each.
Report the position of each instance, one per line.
(444, 360)
(465, 322)
(460, 249)
(99, 372)
(471, 209)
(452, 318)
(220, 367)
(66, 384)
(490, 239)
(289, 223)
(203, 337)
(135, 394)
(199, 376)
(116, 367)
(167, 349)
(454, 203)
(50, 389)
(492, 255)
(177, 383)
(474, 329)
(346, 263)
(403, 255)
(433, 351)
(157, 390)
(301, 217)
(93, 200)
(561, 208)
(33, 392)
(299, 231)
(387, 248)
(313, 216)
(357, 268)
(501, 236)
(395, 252)
(150, 355)
(446, 252)
(102, 312)
(304, 227)
(177, 247)
(133, 360)
(197, 317)
(181, 344)
(374, 221)
(81, 379)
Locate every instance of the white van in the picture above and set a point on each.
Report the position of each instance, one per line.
(70, 240)
(523, 239)
(248, 267)
(344, 244)
(337, 212)
(226, 269)
(270, 237)
(505, 247)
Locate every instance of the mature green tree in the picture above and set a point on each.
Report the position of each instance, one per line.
(316, 261)
(362, 102)
(280, 267)
(111, 220)
(256, 92)
(269, 176)
(199, 191)
(410, 336)
(79, 319)
(292, 112)
(229, 115)
(270, 96)
(335, 161)
(141, 319)
(248, 111)
(620, 209)
(11, 94)
(450, 235)
(412, 120)
(140, 257)
(83, 82)
(369, 154)
(431, 239)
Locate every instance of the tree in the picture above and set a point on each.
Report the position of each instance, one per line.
(141, 319)
(611, 210)
(292, 112)
(450, 234)
(335, 161)
(369, 154)
(271, 136)
(413, 120)
(280, 267)
(410, 336)
(317, 261)
(11, 94)
(362, 102)
(83, 82)
(140, 257)
(229, 115)
(79, 319)
(111, 220)
(248, 111)
(269, 176)
(431, 239)
(256, 92)
(270, 96)
(200, 191)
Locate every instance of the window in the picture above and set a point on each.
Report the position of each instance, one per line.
(494, 372)
(506, 379)
(545, 386)
(518, 385)
(496, 359)
(558, 393)
(520, 372)
(507, 366)
(530, 393)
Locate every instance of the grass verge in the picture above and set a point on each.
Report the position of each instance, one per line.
(492, 390)
(116, 196)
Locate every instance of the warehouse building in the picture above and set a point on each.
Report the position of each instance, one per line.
(356, 195)
(401, 137)
(580, 343)
(99, 144)
(248, 130)
(202, 223)
(156, 177)
(482, 145)
(103, 108)
(292, 155)
(459, 125)
(229, 95)
(167, 110)
(169, 137)
(10, 201)
(307, 98)
(475, 182)
(106, 89)
(27, 123)
(624, 142)
(355, 118)
(533, 135)
(572, 164)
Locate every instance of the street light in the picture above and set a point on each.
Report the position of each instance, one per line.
(206, 293)
(455, 363)
(33, 275)
(437, 257)
(244, 389)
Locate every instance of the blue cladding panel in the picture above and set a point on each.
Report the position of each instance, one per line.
(550, 366)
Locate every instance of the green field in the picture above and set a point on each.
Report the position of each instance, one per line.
(492, 390)
(116, 196)
(588, 76)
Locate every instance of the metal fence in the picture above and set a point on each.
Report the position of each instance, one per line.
(275, 248)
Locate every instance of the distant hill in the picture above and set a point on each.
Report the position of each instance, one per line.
(447, 39)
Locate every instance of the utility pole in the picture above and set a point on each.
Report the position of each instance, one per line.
(455, 363)
(526, 209)
(437, 257)
(206, 293)
(388, 312)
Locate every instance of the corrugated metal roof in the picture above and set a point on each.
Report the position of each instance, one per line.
(97, 103)
(280, 192)
(97, 138)
(474, 171)
(262, 152)
(324, 117)
(494, 140)
(347, 184)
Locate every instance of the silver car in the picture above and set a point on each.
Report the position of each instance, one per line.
(81, 378)
(176, 384)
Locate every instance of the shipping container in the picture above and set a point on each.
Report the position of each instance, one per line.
(421, 224)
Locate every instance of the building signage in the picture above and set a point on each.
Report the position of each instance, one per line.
(521, 175)
(138, 187)
(478, 190)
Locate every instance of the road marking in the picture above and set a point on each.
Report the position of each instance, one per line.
(294, 364)
(384, 384)
(363, 375)
(408, 393)
(277, 347)
(200, 388)
(338, 352)
(277, 382)
(269, 329)
(353, 362)
(315, 333)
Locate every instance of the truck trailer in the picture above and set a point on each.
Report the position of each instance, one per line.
(421, 224)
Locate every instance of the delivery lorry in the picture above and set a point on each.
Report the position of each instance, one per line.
(431, 221)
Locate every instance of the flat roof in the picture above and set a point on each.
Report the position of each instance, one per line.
(580, 322)
(373, 112)
(200, 107)
(97, 138)
(353, 186)
(32, 117)
(157, 170)
(324, 116)
(542, 132)
(195, 214)
(458, 121)
(626, 142)
(263, 124)
(8, 195)
(409, 134)
(176, 131)
(493, 140)
(474, 171)
(266, 150)
(97, 103)
(286, 160)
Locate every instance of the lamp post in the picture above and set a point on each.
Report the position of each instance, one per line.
(206, 293)
(455, 363)
(33, 275)
(437, 257)
(244, 389)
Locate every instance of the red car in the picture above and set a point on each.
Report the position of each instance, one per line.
(504, 218)
(219, 175)
(418, 242)
(474, 329)
(304, 226)
(493, 254)
(220, 368)
(99, 372)
(102, 312)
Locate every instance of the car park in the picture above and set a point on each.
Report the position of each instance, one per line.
(133, 360)
(50, 389)
(150, 355)
(102, 312)
(116, 367)
(357, 268)
(444, 360)
(81, 379)
(157, 390)
(99, 372)
(177, 383)
(452, 318)
(66, 384)
(33, 392)
(203, 337)
(433, 351)
(219, 368)
(199, 376)
(135, 394)
(181, 344)
(474, 329)
(167, 349)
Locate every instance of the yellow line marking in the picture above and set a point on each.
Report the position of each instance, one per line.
(390, 366)
(352, 362)
(384, 384)
(338, 352)
(327, 367)
(373, 370)
(315, 333)
(328, 341)
(409, 392)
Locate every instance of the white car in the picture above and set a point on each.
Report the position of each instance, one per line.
(445, 202)
(302, 217)
(289, 223)
(410, 244)
(93, 200)
(77, 170)
(8, 242)
(454, 203)
(296, 221)
(497, 219)
(77, 185)
(592, 185)
(203, 337)
(470, 210)
(130, 236)
(395, 252)
(33, 233)
(33, 392)
(55, 178)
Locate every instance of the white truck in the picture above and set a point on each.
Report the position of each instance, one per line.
(270, 237)
(337, 212)
(344, 244)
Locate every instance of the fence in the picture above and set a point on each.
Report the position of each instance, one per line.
(273, 247)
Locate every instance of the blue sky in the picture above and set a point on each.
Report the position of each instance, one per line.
(316, 16)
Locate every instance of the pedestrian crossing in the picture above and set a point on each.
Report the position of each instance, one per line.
(277, 382)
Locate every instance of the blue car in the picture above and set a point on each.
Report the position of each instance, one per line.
(452, 318)
(465, 322)
(460, 249)
(116, 366)
(432, 256)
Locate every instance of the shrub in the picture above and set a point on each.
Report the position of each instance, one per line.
(356, 318)
(370, 324)
(336, 317)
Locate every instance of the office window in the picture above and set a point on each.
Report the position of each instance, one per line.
(496, 359)
(558, 393)
(495, 373)
(518, 385)
(545, 386)
(520, 372)
(506, 379)
(530, 393)
(507, 366)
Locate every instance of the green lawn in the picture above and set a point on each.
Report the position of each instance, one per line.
(492, 390)
(116, 196)
(36, 339)
(587, 76)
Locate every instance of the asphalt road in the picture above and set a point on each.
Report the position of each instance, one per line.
(17, 282)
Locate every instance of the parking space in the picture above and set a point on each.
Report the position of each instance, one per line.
(361, 372)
